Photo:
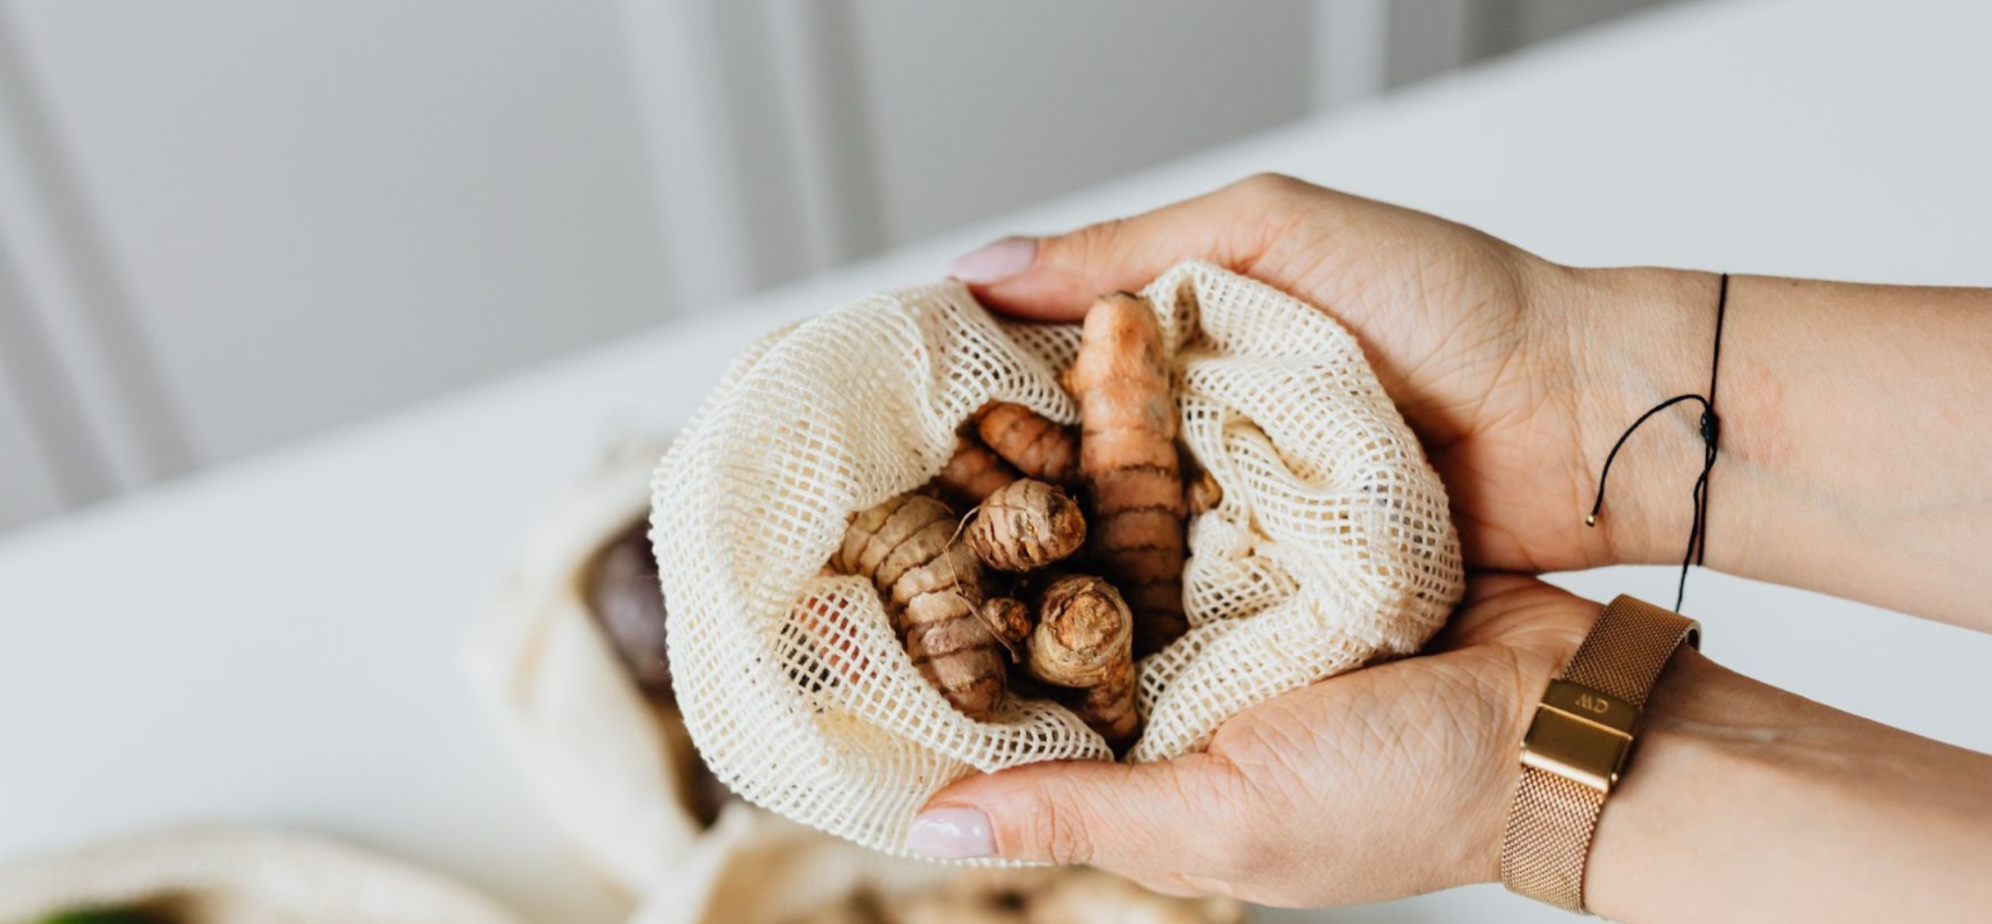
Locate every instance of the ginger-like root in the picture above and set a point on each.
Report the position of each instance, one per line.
(839, 914)
(932, 587)
(972, 474)
(1010, 620)
(1031, 443)
(1085, 896)
(1203, 494)
(1084, 640)
(861, 907)
(1066, 895)
(1128, 463)
(1025, 526)
(941, 907)
(1005, 887)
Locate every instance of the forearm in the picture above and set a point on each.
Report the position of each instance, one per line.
(1746, 803)
(1856, 429)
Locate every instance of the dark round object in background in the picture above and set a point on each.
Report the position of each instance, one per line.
(621, 588)
(620, 584)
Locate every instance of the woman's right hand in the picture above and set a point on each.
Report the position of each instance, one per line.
(1484, 347)
(1849, 412)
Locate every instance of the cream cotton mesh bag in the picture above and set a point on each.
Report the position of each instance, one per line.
(1330, 548)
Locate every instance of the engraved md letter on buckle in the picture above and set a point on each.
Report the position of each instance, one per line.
(1580, 734)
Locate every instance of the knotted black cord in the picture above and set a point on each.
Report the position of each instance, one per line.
(1711, 431)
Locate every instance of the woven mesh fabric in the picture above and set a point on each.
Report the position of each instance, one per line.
(1332, 545)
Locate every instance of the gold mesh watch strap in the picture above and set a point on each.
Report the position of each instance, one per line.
(1578, 745)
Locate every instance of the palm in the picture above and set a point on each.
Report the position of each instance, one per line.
(1446, 315)
(1327, 794)
(1409, 744)
(1441, 311)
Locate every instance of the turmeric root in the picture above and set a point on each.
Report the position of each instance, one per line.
(939, 907)
(1087, 896)
(1084, 640)
(1203, 494)
(1025, 526)
(972, 474)
(1128, 463)
(1010, 620)
(1033, 445)
(932, 587)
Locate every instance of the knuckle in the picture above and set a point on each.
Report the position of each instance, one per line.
(1095, 245)
(1268, 186)
(1059, 831)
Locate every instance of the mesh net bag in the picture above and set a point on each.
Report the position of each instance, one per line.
(1331, 547)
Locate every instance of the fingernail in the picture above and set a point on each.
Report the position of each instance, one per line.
(952, 834)
(995, 262)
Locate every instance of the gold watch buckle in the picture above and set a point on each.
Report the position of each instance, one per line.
(1580, 734)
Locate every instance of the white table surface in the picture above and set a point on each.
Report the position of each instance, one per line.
(276, 640)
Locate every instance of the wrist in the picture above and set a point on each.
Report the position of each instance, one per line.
(1638, 337)
(1674, 757)
(1576, 745)
(1556, 626)
(1747, 803)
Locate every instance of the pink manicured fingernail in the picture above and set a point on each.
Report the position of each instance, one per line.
(995, 262)
(952, 834)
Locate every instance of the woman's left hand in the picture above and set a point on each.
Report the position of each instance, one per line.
(1375, 784)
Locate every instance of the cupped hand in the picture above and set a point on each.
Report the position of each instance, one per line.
(1383, 782)
(1516, 374)
(1483, 346)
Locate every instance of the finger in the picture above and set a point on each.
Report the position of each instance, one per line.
(1489, 585)
(1487, 593)
(1514, 608)
(1160, 817)
(1056, 278)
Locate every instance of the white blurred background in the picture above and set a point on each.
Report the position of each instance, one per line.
(226, 224)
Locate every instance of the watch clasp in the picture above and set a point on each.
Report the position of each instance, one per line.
(1580, 734)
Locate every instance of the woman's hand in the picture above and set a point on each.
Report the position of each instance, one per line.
(1379, 783)
(1395, 779)
(1518, 375)
(1847, 410)
(1742, 802)
(1486, 349)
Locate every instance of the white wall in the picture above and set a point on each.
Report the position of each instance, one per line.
(1430, 37)
(227, 224)
(978, 109)
(314, 211)
(27, 489)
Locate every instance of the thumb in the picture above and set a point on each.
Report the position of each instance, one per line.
(1056, 278)
(1163, 816)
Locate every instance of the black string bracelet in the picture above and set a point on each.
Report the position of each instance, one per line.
(1711, 431)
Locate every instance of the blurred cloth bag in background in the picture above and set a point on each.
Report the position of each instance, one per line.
(218, 874)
